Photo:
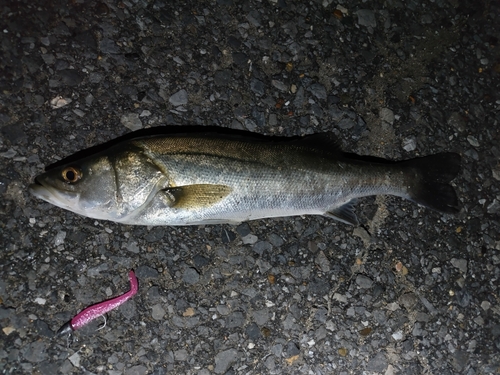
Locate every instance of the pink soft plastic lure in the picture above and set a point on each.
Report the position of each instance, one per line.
(99, 309)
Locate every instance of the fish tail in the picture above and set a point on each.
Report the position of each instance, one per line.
(432, 187)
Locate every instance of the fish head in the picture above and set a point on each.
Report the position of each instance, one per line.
(108, 186)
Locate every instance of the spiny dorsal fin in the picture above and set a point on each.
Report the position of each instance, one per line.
(195, 196)
(344, 213)
(325, 142)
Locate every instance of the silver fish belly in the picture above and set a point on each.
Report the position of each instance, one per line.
(206, 179)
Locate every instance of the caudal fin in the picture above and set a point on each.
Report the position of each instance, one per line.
(434, 174)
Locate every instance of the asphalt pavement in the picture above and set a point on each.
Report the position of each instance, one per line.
(408, 291)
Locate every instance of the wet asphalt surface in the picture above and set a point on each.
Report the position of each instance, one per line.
(409, 291)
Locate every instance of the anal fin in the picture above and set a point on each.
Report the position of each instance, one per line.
(194, 196)
(344, 213)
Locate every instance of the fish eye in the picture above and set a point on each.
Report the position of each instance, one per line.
(71, 174)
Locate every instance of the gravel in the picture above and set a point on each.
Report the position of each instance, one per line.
(408, 291)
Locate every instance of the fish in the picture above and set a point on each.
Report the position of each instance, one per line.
(206, 178)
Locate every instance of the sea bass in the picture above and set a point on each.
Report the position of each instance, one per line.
(210, 179)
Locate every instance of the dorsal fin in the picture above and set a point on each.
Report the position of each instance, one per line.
(324, 142)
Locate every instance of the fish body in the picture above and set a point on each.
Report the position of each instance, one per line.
(207, 179)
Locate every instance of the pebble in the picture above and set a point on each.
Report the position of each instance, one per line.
(35, 352)
(131, 121)
(323, 262)
(253, 331)
(457, 121)
(137, 370)
(108, 46)
(190, 276)
(318, 90)
(258, 87)
(387, 115)
(364, 282)
(377, 363)
(279, 85)
(143, 272)
(158, 312)
(409, 144)
(179, 98)
(461, 264)
(261, 247)
(59, 238)
(75, 359)
(473, 141)
(275, 240)
(224, 360)
(261, 317)
(235, 320)
(366, 17)
(40, 301)
(249, 239)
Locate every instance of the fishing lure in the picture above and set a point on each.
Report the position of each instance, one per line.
(99, 309)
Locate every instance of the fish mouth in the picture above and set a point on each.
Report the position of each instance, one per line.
(49, 193)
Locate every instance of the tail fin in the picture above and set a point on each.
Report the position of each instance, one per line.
(434, 174)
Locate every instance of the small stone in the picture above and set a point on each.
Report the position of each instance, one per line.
(200, 261)
(279, 85)
(181, 355)
(377, 363)
(131, 121)
(346, 123)
(318, 90)
(108, 46)
(190, 276)
(366, 17)
(243, 229)
(158, 312)
(292, 349)
(485, 305)
(473, 141)
(257, 86)
(40, 301)
(35, 352)
(137, 370)
(398, 335)
(59, 102)
(261, 317)
(323, 262)
(457, 121)
(461, 264)
(75, 359)
(249, 239)
(261, 247)
(275, 240)
(460, 360)
(8, 330)
(235, 320)
(409, 144)
(59, 238)
(224, 360)
(364, 282)
(144, 272)
(387, 115)
(253, 331)
(179, 98)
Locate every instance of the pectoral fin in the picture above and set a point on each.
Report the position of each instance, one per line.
(344, 213)
(194, 196)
